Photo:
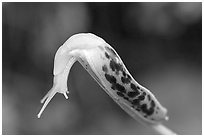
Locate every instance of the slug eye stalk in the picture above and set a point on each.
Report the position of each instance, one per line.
(104, 64)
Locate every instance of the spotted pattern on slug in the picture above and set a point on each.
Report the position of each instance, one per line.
(136, 96)
(149, 98)
(104, 68)
(125, 80)
(120, 94)
(111, 79)
(133, 94)
(107, 56)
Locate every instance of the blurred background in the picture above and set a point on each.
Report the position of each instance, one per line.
(160, 44)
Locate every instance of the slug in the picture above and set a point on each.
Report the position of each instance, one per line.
(104, 64)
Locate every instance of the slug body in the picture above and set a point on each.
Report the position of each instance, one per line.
(106, 67)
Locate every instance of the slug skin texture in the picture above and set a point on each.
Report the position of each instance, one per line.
(104, 64)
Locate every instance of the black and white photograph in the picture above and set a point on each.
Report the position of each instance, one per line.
(101, 68)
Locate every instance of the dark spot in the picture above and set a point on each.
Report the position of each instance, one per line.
(133, 86)
(110, 78)
(138, 109)
(143, 107)
(147, 111)
(104, 68)
(113, 87)
(125, 80)
(138, 87)
(115, 66)
(136, 102)
(149, 98)
(129, 76)
(124, 74)
(126, 98)
(152, 104)
(110, 50)
(117, 72)
(112, 65)
(133, 94)
(120, 94)
(141, 97)
(107, 56)
(120, 88)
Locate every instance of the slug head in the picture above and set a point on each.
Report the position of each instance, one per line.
(65, 57)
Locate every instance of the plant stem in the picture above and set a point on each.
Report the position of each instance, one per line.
(163, 130)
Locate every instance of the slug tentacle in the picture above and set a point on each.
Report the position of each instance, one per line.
(104, 64)
(59, 85)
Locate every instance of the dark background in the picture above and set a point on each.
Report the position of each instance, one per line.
(160, 44)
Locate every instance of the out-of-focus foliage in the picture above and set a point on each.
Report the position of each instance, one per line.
(160, 43)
